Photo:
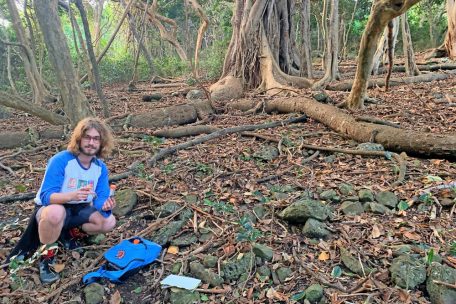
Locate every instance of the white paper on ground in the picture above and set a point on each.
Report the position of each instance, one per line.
(181, 282)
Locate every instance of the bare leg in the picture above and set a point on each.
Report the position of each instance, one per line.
(98, 224)
(50, 223)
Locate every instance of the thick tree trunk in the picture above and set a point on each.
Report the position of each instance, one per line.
(93, 60)
(40, 93)
(332, 48)
(381, 54)
(306, 50)
(381, 13)
(260, 47)
(97, 14)
(169, 116)
(450, 39)
(16, 102)
(75, 103)
(410, 64)
(393, 139)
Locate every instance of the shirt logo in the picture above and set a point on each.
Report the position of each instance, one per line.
(72, 183)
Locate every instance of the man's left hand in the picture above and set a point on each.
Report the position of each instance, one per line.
(109, 204)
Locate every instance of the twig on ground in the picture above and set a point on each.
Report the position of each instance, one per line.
(173, 149)
(8, 169)
(445, 284)
(377, 121)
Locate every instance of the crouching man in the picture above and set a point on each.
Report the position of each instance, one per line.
(75, 191)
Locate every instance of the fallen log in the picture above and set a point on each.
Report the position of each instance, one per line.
(414, 143)
(422, 67)
(347, 85)
(169, 116)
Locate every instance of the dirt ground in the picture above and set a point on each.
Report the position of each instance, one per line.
(227, 169)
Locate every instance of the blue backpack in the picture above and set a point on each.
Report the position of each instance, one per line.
(124, 259)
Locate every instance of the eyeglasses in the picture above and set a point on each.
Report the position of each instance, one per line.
(90, 138)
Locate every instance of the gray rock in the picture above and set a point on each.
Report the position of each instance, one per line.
(176, 268)
(267, 153)
(365, 195)
(321, 97)
(263, 251)
(204, 237)
(447, 202)
(233, 269)
(166, 209)
(126, 201)
(156, 96)
(185, 240)
(191, 198)
(264, 271)
(352, 198)
(283, 273)
(328, 195)
(376, 208)
(353, 264)
(210, 261)
(387, 198)
(407, 271)
(205, 275)
(370, 147)
(314, 293)
(315, 229)
(351, 208)
(166, 232)
(329, 159)
(441, 294)
(346, 189)
(260, 211)
(302, 210)
(400, 249)
(182, 296)
(94, 293)
(195, 94)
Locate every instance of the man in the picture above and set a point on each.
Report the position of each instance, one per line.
(75, 190)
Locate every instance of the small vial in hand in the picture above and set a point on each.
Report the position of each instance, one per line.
(112, 190)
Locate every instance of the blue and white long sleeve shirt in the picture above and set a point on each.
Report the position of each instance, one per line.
(64, 173)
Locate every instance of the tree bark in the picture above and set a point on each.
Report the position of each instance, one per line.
(332, 48)
(201, 30)
(381, 54)
(93, 60)
(306, 49)
(97, 14)
(393, 139)
(171, 35)
(349, 84)
(411, 68)
(450, 39)
(75, 104)
(260, 47)
(16, 102)
(381, 13)
(40, 93)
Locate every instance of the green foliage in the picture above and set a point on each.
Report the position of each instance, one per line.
(403, 205)
(141, 172)
(169, 168)
(453, 248)
(336, 272)
(430, 256)
(212, 59)
(426, 198)
(203, 168)
(246, 231)
(171, 66)
(153, 140)
(219, 207)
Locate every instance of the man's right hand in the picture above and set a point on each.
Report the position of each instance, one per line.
(82, 193)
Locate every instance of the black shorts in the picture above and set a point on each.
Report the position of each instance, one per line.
(76, 214)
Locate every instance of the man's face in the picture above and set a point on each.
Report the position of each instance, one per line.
(90, 142)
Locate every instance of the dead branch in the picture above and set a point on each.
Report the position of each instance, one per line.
(377, 121)
(171, 150)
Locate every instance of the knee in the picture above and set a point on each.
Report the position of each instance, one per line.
(54, 215)
(109, 224)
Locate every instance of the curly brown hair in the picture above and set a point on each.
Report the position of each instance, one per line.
(106, 137)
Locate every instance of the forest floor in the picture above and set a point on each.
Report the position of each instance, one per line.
(222, 180)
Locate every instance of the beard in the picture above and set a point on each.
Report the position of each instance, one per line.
(89, 150)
